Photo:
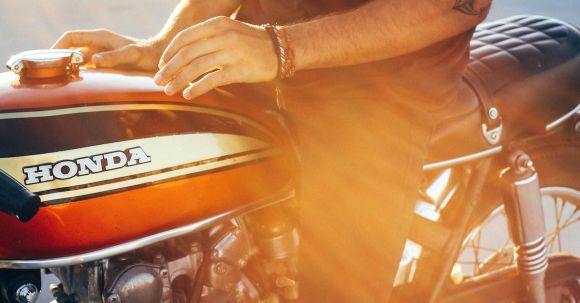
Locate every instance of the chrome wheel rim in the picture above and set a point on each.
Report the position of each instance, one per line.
(488, 247)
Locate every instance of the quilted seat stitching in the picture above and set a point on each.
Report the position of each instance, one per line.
(518, 25)
(507, 50)
(502, 37)
(487, 32)
(535, 30)
(519, 22)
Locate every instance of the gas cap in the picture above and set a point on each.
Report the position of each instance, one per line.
(46, 63)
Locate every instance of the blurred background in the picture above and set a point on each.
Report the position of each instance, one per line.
(33, 24)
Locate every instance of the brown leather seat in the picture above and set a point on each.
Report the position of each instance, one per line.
(527, 65)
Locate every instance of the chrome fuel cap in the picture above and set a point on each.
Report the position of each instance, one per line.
(45, 63)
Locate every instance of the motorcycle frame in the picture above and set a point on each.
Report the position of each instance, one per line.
(442, 241)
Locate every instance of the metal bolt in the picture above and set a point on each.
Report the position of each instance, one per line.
(113, 298)
(221, 268)
(524, 162)
(494, 135)
(18, 67)
(77, 58)
(26, 293)
(493, 113)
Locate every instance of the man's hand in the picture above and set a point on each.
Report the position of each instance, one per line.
(216, 52)
(108, 49)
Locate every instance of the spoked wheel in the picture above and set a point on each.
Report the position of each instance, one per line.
(488, 247)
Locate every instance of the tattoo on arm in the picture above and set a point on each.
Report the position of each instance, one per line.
(468, 7)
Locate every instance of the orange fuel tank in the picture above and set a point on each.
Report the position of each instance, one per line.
(115, 160)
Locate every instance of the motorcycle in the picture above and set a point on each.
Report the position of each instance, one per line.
(129, 195)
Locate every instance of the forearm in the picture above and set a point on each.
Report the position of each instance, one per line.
(379, 30)
(190, 12)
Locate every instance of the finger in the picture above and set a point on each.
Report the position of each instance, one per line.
(185, 56)
(84, 38)
(195, 33)
(195, 69)
(73, 38)
(208, 82)
(124, 55)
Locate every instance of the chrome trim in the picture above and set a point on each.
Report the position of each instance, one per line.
(562, 119)
(527, 180)
(564, 192)
(492, 136)
(286, 194)
(462, 159)
(44, 58)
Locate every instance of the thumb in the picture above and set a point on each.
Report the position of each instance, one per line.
(124, 55)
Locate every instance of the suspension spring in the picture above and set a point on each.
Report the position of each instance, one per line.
(532, 257)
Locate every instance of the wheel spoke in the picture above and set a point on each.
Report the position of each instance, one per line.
(478, 241)
(565, 224)
(491, 249)
(556, 212)
(550, 242)
(559, 242)
(485, 258)
(570, 223)
(560, 203)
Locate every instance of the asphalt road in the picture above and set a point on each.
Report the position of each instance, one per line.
(34, 24)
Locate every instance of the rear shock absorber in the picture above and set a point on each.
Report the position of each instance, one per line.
(523, 205)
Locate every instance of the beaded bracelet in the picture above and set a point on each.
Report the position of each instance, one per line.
(283, 51)
(289, 68)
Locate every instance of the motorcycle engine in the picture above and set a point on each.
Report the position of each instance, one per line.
(165, 273)
(149, 275)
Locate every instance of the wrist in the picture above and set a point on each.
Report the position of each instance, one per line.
(283, 51)
(158, 43)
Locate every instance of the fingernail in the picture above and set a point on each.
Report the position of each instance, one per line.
(186, 94)
(169, 90)
(157, 79)
(97, 59)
